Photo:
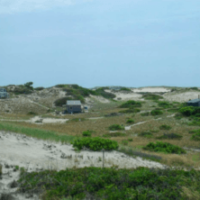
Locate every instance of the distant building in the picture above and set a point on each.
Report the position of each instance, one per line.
(3, 93)
(194, 102)
(74, 106)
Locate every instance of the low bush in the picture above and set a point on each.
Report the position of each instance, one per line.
(125, 89)
(146, 134)
(113, 184)
(78, 119)
(39, 88)
(170, 136)
(0, 170)
(130, 121)
(95, 144)
(101, 92)
(196, 135)
(154, 97)
(87, 133)
(156, 112)
(164, 104)
(62, 101)
(131, 104)
(116, 127)
(165, 127)
(31, 113)
(164, 147)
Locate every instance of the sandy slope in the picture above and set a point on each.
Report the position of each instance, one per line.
(33, 154)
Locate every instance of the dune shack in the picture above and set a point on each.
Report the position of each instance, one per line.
(194, 102)
(74, 106)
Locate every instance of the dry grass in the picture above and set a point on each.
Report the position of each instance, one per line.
(100, 126)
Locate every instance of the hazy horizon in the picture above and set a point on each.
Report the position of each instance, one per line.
(99, 43)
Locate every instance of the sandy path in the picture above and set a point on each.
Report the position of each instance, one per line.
(32, 154)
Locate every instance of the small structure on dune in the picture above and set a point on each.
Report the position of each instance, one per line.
(194, 102)
(3, 93)
(74, 106)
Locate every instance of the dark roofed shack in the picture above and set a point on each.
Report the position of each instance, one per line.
(74, 106)
(194, 102)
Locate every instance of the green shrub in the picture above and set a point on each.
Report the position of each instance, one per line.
(107, 95)
(196, 135)
(39, 88)
(95, 144)
(116, 127)
(164, 147)
(87, 133)
(130, 139)
(62, 101)
(154, 97)
(78, 119)
(31, 113)
(146, 134)
(187, 111)
(112, 184)
(164, 104)
(125, 89)
(131, 104)
(156, 112)
(170, 136)
(130, 121)
(165, 127)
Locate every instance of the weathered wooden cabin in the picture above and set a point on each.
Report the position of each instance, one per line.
(194, 102)
(74, 106)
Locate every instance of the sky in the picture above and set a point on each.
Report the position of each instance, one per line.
(130, 43)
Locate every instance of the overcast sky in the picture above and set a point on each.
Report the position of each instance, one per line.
(100, 42)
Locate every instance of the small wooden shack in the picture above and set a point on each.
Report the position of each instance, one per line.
(194, 102)
(74, 106)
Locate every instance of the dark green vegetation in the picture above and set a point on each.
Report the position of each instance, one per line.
(36, 133)
(32, 113)
(27, 88)
(95, 144)
(62, 101)
(131, 104)
(170, 136)
(111, 184)
(164, 104)
(165, 127)
(130, 121)
(87, 133)
(125, 89)
(190, 111)
(146, 134)
(101, 92)
(130, 110)
(39, 88)
(164, 147)
(0, 170)
(196, 135)
(154, 97)
(116, 127)
(156, 112)
(78, 119)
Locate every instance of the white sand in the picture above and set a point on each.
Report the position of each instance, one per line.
(151, 89)
(33, 154)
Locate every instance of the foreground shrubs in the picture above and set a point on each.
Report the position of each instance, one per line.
(87, 133)
(190, 111)
(116, 127)
(112, 184)
(130, 121)
(164, 147)
(95, 144)
(164, 104)
(146, 134)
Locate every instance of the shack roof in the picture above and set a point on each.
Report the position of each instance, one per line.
(73, 103)
(194, 101)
